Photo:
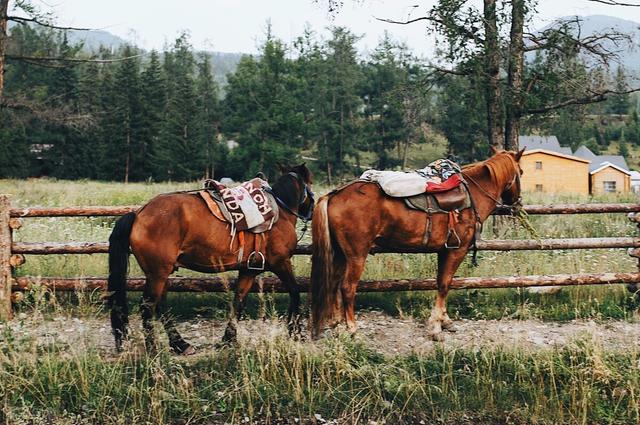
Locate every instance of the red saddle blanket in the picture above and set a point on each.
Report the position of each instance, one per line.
(441, 175)
(248, 204)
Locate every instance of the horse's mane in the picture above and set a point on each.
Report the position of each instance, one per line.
(501, 167)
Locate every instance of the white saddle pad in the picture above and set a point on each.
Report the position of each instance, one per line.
(397, 183)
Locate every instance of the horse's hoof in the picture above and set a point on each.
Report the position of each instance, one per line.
(189, 351)
(449, 326)
(225, 343)
(437, 336)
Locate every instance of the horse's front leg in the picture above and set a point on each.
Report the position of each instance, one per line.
(245, 282)
(448, 263)
(284, 271)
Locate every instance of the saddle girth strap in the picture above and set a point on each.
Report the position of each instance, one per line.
(478, 233)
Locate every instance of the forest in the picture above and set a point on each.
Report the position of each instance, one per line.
(130, 115)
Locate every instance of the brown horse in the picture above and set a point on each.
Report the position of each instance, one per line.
(350, 221)
(178, 230)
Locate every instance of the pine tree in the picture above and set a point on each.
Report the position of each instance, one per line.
(124, 147)
(209, 118)
(153, 97)
(14, 152)
(619, 103)
(179, 155)
(69, 151)
(261, 114)
(386, 78)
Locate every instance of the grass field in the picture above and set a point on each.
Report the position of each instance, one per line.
(583, 382)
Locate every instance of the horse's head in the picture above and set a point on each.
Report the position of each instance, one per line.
(511, 194)
(305, 200)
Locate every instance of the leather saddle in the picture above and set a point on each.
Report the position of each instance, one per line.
(451, 200)
(223, 206)
(256, 218)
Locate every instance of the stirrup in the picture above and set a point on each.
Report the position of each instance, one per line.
(458, 243)
(253, 255)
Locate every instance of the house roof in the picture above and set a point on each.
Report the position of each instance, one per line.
(607, 164)
(635, 175)
(548, 143)
(598, 162)
(558, 154)
(585, 152)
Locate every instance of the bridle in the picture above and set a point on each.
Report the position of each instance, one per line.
(512, 208)
(306, 193)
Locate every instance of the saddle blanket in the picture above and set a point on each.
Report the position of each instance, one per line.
(439, 176)
(248, 204)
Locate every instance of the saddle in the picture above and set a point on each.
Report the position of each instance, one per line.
(453, 199)
(436, 188)
(441, 175)
(248, 208)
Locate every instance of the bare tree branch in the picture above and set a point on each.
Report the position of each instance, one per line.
(53, 115)
(410, 21)
(25, 21)
(595, 97)
(40, 60)
(449, 71)
(566, 37)
(615, 3)
(471, 33)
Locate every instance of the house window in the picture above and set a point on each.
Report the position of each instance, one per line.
(609, 186)
(538, 188)
(538, 165)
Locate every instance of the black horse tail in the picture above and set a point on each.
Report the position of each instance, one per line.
(118, 268)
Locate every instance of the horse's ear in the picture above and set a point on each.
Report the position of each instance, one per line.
(282, 168)
(519, 154)
(494, 150)
(304, 172)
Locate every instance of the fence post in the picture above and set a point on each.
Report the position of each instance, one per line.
(5, 257)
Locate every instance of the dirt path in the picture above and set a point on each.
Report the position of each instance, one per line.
(386, 334)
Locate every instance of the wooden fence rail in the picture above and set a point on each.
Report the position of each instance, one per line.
(98, 211)
(273, 284)
(12, 255)
(45, 248)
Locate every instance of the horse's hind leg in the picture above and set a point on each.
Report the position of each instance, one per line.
(245, 282)
(448, 263)
(176, 342)
(354, 268)
(154, 294)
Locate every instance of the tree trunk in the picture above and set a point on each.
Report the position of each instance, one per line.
(127, 161)
(4, 8)
(516, 66)
(404, 154)
(492, 66)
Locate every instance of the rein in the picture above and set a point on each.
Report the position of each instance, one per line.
(498, 202)
(306, 192)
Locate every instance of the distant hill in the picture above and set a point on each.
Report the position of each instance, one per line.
(92, 40)
(592, 24)
(223, 63)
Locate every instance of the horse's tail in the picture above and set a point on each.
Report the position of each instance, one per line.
(327, 267)
(118, 268)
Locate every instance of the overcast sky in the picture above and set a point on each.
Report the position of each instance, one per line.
(238, 25)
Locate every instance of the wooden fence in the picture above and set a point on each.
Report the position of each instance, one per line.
(12, 255)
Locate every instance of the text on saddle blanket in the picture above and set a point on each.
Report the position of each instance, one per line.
(439, 176)
(246, 207)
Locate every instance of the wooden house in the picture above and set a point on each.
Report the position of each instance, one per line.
(607, 173)
(551, 168)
